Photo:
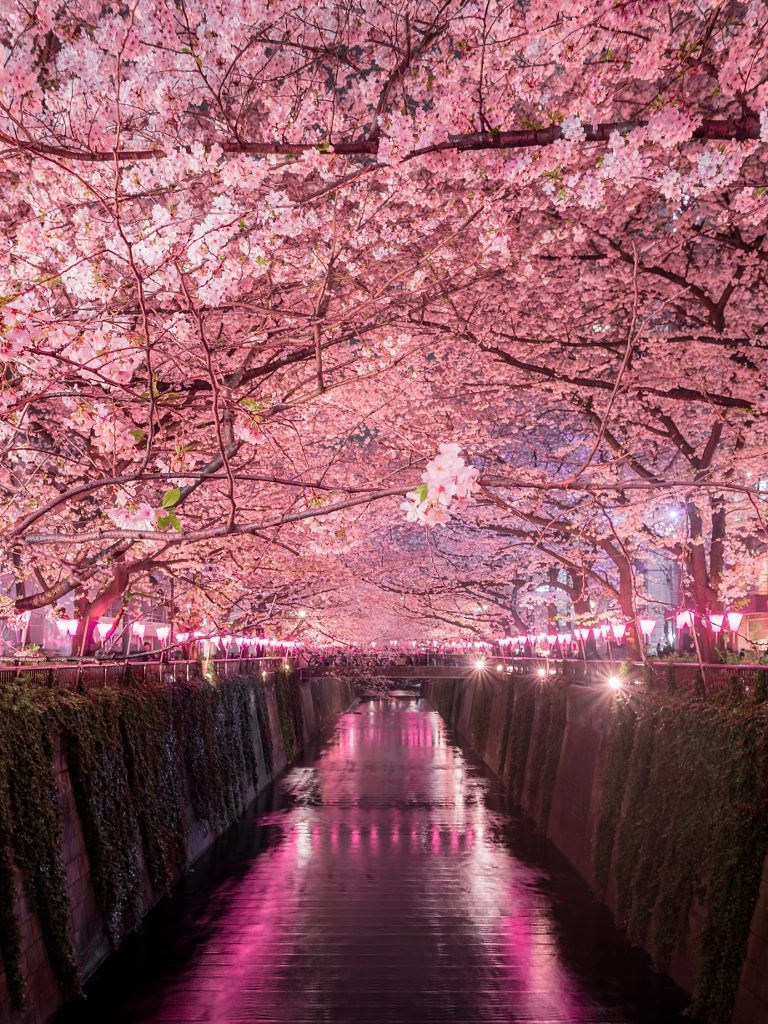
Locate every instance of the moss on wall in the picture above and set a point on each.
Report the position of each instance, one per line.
(620, 744)
(290, 710)
(481, 715)
(125, 747)
(690, 803)
(520, 729)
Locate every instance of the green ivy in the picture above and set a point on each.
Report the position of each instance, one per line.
(504, 745)
(620, 743)
(10, 931)
(290, 711)
(93, 743)
(692, 799)
(125, 748)
(555, 696)
(265, 731)
(27, 729)
(520, 729)
(481, 715)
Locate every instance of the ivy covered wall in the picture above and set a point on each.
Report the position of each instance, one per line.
(684, 827)
(144, 759)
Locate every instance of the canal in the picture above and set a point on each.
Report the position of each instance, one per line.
(383, 878)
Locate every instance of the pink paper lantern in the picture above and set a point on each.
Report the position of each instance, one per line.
(716, 622)
(597, 633)
(684, 619)
(647, 625)
(102, 629)
(139, 629)
(583, 633)
(163, 633)
(605, 630)
(67, 627)
(734, 620)
(181, 638)
(551, 638)
(619, 631)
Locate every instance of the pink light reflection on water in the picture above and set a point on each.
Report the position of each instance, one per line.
(441, 924)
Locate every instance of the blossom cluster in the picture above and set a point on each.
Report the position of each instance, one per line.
(448, 483)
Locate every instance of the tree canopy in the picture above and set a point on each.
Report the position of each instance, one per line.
(261, 260)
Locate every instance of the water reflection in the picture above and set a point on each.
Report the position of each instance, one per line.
(383, 879)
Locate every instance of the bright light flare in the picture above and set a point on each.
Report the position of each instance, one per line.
(614, 682)
(542, 672)
(480, 663)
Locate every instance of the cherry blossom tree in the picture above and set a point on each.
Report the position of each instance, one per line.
(260, 262)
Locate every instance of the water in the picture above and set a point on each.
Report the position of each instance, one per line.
(383, 879)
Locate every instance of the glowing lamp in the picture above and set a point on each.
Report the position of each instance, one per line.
(716, 622)
(373, 643)
(302, 614)
(646, 625)
(480, 663)
(605, 630)
(684, 619)
(542, 671)
(614, 682)
(582, 634)
(499, 668)
(551, 638)
(619, 631)
(23, 618)
(103, 628)
(162, 633)
(181, 638)
(67, 627)
(734, 620)
(139, 629)
(597, 633)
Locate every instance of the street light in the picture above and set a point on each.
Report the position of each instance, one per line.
(614, 682)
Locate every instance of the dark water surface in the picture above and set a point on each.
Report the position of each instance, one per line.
(382, 879)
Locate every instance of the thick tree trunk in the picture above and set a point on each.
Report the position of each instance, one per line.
(91, 612)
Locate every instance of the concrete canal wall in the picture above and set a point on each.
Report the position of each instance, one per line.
(548, 742)
(321, 699)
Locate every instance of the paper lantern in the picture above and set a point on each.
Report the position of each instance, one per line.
(67, 627)
(619, 631)
(716, 622)
(103, 628)
(162, 633)
(139, 629)
(583, 633)
(181, 638)
(646, 625)
(597, 633)
(551, 638)
(24, 618)
(605, 630)
(683, 619)
(734, 620)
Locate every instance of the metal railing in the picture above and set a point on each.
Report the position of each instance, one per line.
(94, 675)
(659, 674)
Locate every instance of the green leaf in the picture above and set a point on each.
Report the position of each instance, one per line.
(170, 498)
(175, 522)
(324, 147)
(421, 491)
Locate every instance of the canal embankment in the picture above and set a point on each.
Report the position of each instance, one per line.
(108, 794)
(658, 800)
